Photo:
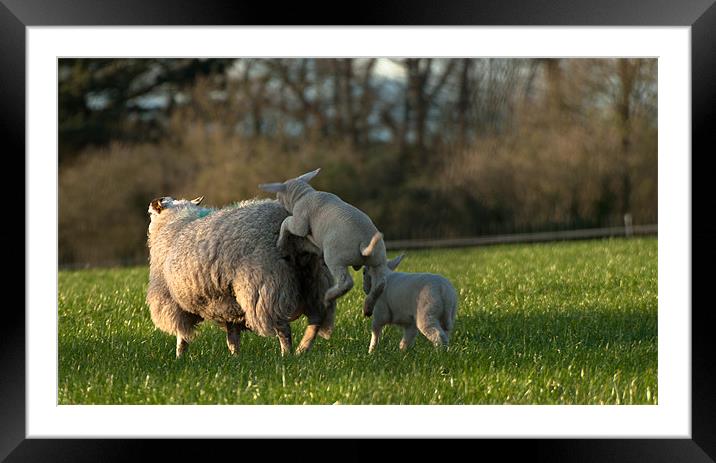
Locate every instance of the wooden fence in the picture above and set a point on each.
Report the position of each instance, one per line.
(563, 235)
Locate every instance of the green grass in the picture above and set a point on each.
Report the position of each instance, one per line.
(561, 323)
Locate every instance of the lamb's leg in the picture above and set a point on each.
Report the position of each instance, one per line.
(376, 329)
(378, 279)
(284, 337)
(308, 337)
(233, 337)
(435, 334)
(294, 225)
(343, 283)
(308, 245)
(181, 345)
(409, 333)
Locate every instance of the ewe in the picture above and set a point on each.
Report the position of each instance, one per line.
(223, 265)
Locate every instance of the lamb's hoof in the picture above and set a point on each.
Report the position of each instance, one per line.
(367, 312)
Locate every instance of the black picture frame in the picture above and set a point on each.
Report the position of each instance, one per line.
(700, 15)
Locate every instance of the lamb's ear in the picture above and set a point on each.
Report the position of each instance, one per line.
(393, 264)
(308, 176)
(197, 200)
(273, 187)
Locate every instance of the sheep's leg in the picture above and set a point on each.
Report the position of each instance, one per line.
(409, 333)
(295, 226)
(343, 283)
(374, 336)
(308, 337)
(233, 337)
(170, 318)
(181, 345)
(284, 338)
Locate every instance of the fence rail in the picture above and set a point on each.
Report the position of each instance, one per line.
(525, 237)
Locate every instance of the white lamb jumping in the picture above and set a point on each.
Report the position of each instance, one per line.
(415, 301)
(343, 233)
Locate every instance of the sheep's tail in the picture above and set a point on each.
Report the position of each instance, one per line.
(368, 250)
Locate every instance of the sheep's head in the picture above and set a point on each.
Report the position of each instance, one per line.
(159, 215)
(157, 206)
(289, 191)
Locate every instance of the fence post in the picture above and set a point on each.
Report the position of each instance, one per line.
(628, 230)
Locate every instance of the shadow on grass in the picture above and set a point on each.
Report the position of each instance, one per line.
(590, 327)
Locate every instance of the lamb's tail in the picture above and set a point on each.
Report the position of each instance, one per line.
(368, 250)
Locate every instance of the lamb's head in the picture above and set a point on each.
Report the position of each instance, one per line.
(392, 265)
(291, 190)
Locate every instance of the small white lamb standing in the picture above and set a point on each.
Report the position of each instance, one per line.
(415, 301)
(344, 234)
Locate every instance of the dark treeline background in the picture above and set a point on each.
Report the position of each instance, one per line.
(429, 148)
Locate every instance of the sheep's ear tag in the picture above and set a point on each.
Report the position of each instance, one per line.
(197, 200)
(156, 204)
(273, 187)
(308, 176)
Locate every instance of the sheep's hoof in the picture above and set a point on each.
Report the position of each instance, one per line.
(181, 347)
(300, 350)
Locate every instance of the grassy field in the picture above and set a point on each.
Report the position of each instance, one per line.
(560, 323)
